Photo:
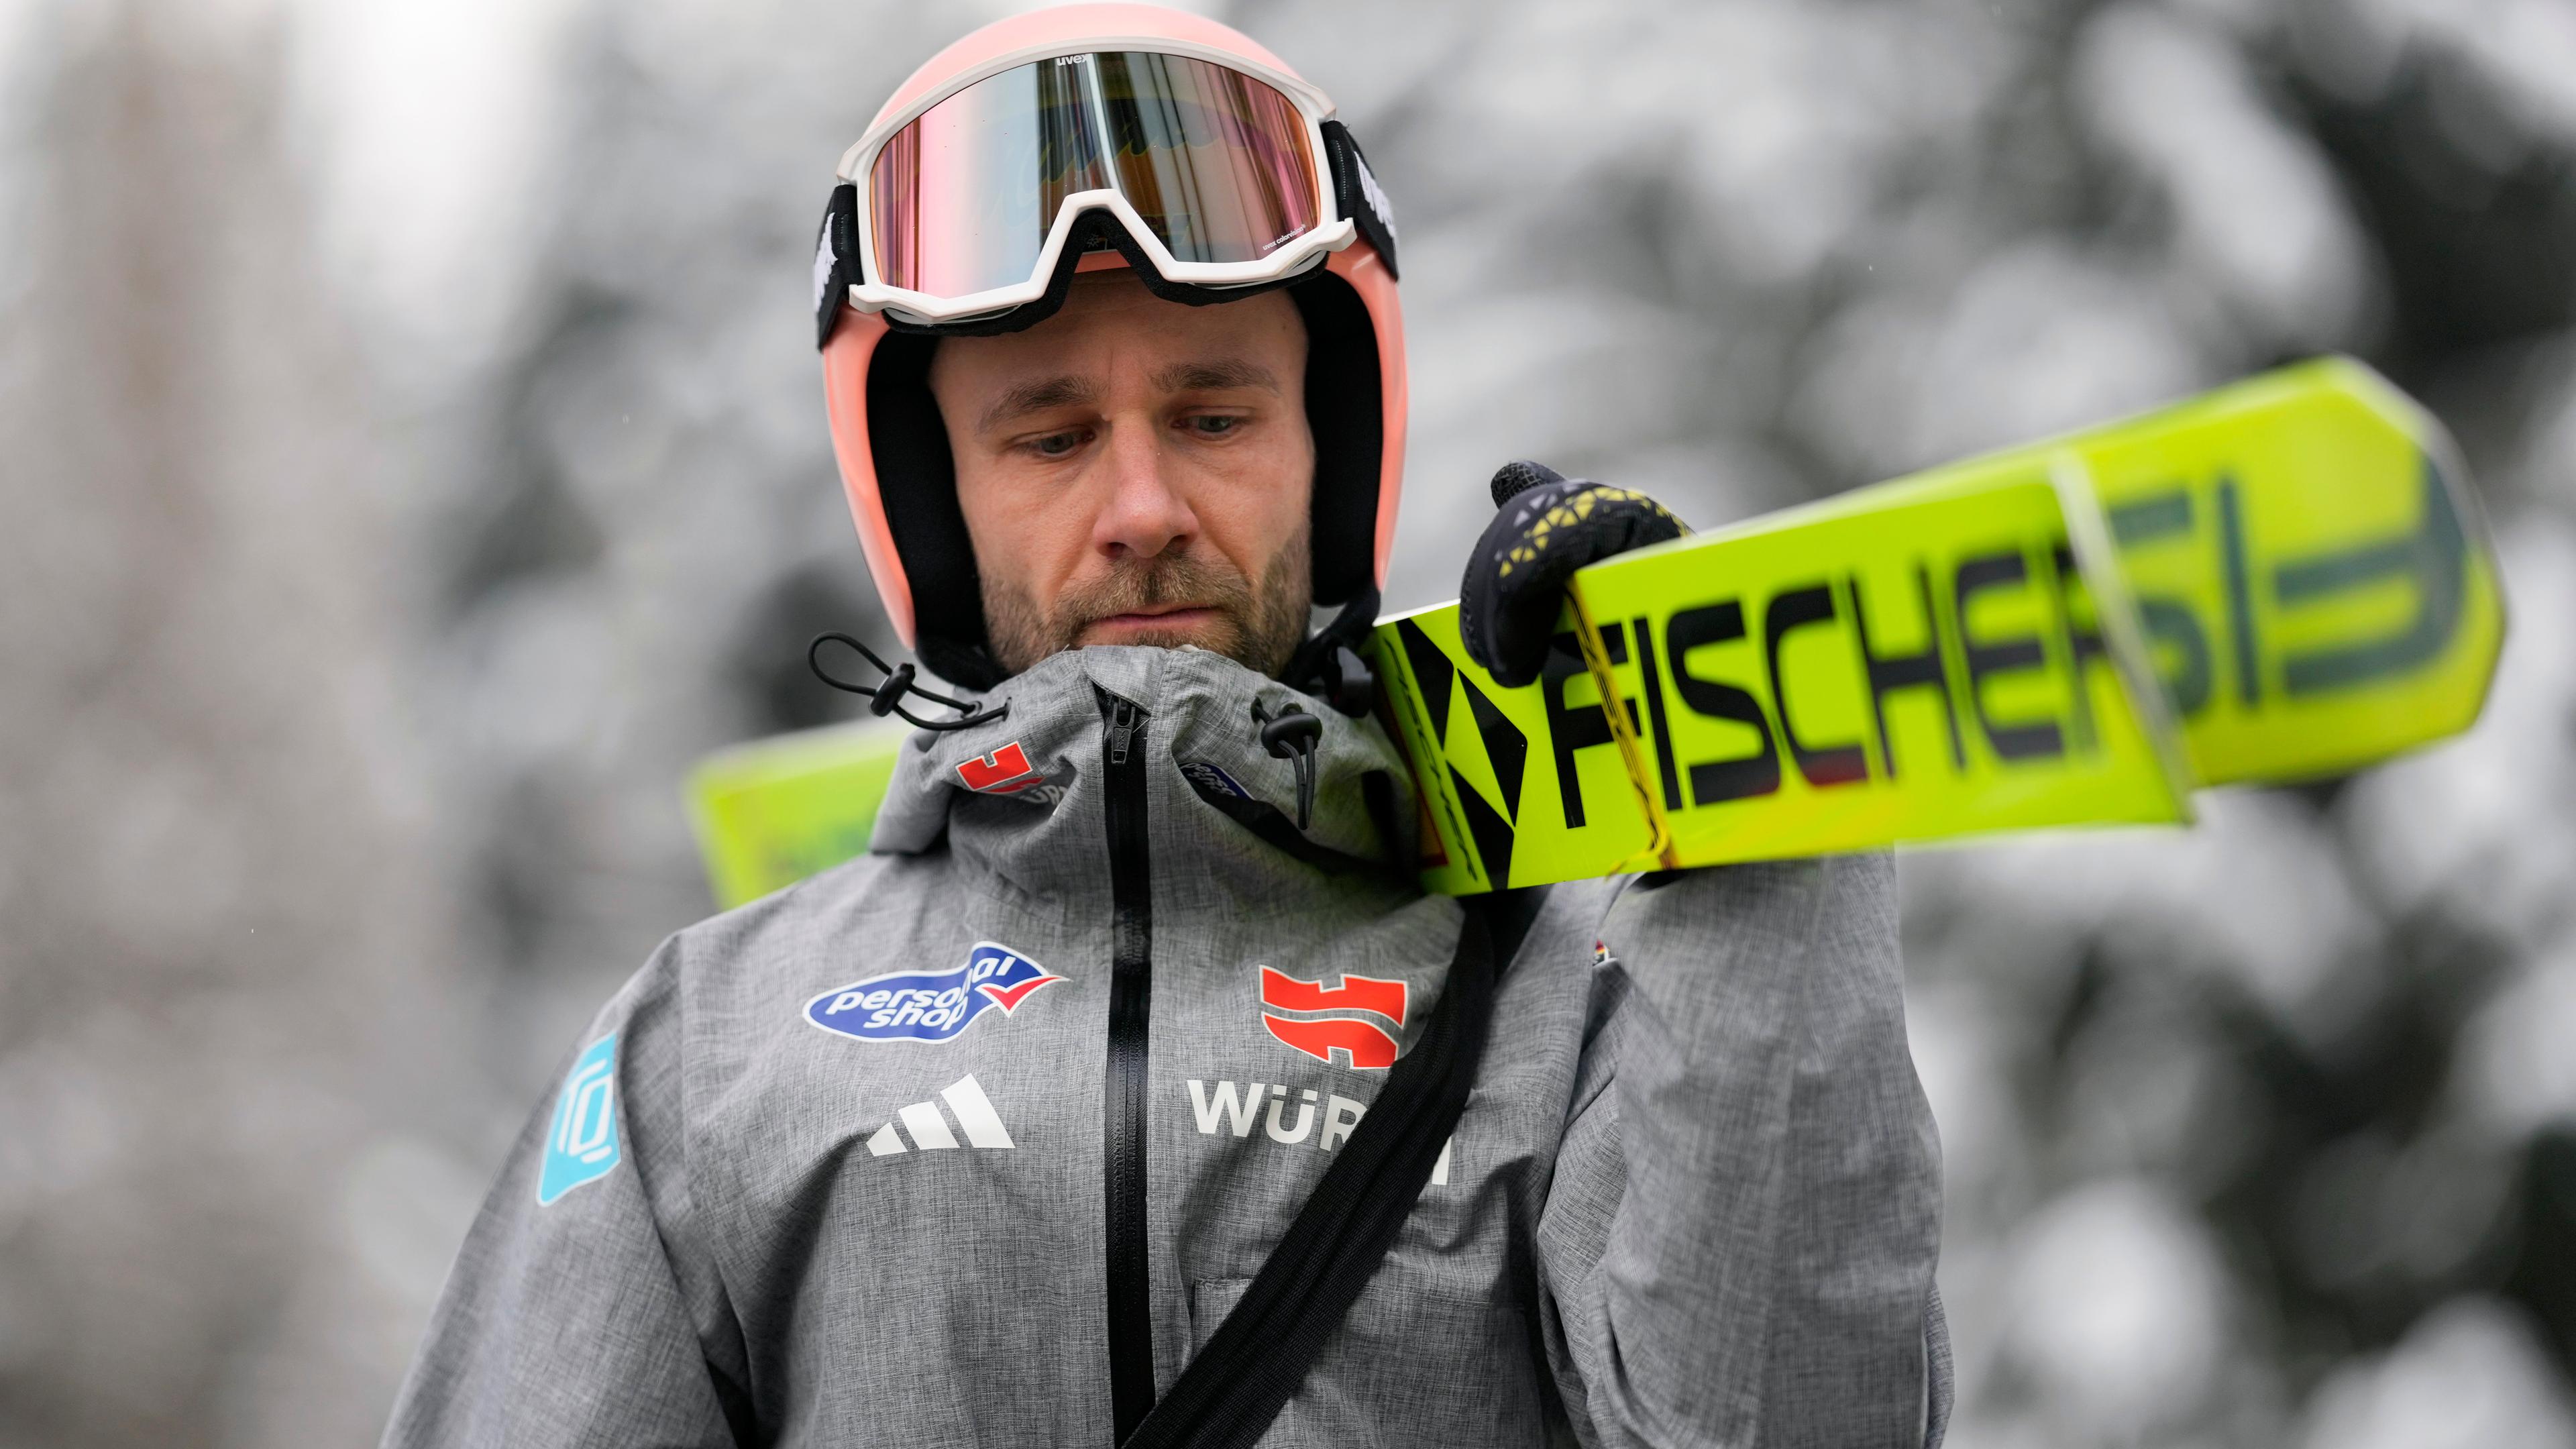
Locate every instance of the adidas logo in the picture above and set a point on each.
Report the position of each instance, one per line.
(928, 1127)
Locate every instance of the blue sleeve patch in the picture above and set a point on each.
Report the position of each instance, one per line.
(581, 1141)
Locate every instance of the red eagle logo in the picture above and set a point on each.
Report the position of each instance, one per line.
(1006, 771)
(1364, 1011)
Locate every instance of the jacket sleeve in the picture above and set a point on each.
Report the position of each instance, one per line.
(564, 1321)
(1738, 1242)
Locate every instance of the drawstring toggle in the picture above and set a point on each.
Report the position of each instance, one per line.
(1291, 735)
(887, 697)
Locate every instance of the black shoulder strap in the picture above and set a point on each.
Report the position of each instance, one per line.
(1259, 1355)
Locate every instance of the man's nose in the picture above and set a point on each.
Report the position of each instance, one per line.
(1145, 514)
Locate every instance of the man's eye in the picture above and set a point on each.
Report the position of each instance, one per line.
(1214, 425)
(1056, 445)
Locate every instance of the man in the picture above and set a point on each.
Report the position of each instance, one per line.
(1019, 1129)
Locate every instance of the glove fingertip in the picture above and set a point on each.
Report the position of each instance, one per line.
(1520, 476)
(1489, 652)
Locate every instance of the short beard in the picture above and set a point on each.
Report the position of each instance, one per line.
(1258, 628)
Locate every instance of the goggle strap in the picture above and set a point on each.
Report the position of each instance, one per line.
(836, 260)
(1357, 194)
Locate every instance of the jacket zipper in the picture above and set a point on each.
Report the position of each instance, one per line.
(1122, 1125)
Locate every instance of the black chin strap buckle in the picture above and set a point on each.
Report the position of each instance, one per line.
(886, 698)
(1349, 687)
(1328, 665)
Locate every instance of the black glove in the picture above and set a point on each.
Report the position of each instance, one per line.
(1549, 526)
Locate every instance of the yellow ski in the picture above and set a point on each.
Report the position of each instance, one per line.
(2293, 562)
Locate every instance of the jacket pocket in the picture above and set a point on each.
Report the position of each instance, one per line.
(1415, 1362)
(1211, 1299)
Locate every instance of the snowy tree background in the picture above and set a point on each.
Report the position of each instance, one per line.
(411, 459)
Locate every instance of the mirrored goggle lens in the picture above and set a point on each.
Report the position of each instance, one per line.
(1217, 164)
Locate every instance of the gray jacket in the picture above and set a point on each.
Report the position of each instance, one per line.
(836, 1168)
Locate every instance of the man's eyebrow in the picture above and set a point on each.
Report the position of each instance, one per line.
(1215, 375)
(1024, 398)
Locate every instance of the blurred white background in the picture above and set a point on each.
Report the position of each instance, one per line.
(411, 458)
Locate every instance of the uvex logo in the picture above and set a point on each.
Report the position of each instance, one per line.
(1006, 771)
(1376, 195)
(1357, 1018)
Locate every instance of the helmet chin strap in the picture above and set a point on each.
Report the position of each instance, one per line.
(1329, 666)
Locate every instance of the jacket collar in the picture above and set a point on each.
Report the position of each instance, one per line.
(1024, 795)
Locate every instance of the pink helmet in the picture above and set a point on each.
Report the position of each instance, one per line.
(886, 429)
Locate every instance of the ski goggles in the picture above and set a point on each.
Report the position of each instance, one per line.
(975, 203)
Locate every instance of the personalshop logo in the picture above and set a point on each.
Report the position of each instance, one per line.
(1357, 1018)
(930, 1005)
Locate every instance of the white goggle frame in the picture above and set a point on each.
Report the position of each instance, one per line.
(1331, 233)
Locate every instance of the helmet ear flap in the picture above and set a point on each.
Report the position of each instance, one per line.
(917, 484)
(1346, 411)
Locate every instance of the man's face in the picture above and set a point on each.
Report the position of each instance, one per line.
(1136, 471)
